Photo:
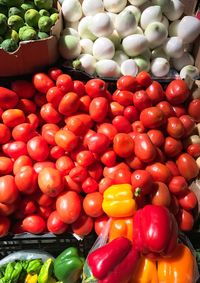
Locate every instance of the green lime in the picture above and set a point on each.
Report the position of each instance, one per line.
(28, 5)
(32, 17)
(12, 34)
(45, 23)
(54, 17)
(27, 33)
(44, 12)
(3, 24)
(15, 22)
(9, 45)
(43, 4)
(42, 35)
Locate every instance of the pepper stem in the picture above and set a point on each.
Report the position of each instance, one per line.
(76, 64)
(138, 191)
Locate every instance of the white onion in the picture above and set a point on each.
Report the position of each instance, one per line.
(156, 33)
(137, 2)
(165, 22)
(91, 7)
(120, 57)
(103, 48)
(138, 31)
(162, 3)
(174, 10)
(142, 63)
(146, 54)
(174, 47)
(83, 28)
(69, 47)
(71, 10)
(129, 67)
(101, 25)
(86, 45)
(173, 28)
(116, 39)
(134, 44)
(114, 6)
(73, 25)
(88, 63)
(189, 71)
(160, 67)
(136, 12)
(145, 5)
(149, 15)
(70, 31)
(189, 29)
(159, 52)
(107, 68)
(125, 23)
(184, 60)
(112, 16)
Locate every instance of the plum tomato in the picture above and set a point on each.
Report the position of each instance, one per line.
(152, 117)
(78, 174)
(48, 133)
(95, 88)
(179, 110)
(160, 195)
(71, 185)
(144, 79)
(64, 83)
(98, 143)
(95, 170)
(134, 162)
(110, 171)
(123, 97)
(33, 120)
(185, 220)
(42, 82)
(144, 148)
(141, 100)
(155, 92)
(54, 73)
(171, 165)
(100, 224)
(21, 161)
(79, 88)
(187, 200)
(188, 124)
(64, 164)
(128, 83)
(26, 180)
(45, 211)
(194, 150)
(85, 158)
(108, 158)
(108, 130)
(5, 134)
(34, 224)
(172, 147)
(104, 184)
(116, 109)
(193, 110)
(23, 88)
(7, 209)
(121, 124)
(8, 98)
(142, 180)
(23, 132)
(4, 226)
(39, 166)
(66, 140)
(38, 148)
(13, 117)
(175, 127)
(123, 145)
(49, 114)
(98, 109)
(54, 96)
(138, 127)
(69, 104)
(55, 225)
(26, 105)
(92, 204)
(157, 137)
(83, 225)
(131, 113)
(90, 185)
(15, 149)
(75, 125)
(84, 103)
(177, 92)
(56, 152)
(6, 165)
(8, 189)
(159, 172)
(187, 166)
(166, 108)
(122, 176)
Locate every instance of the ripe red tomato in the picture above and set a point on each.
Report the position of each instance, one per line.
(66, 140)
(144, 148)
(38, 148)
(104, 184)
(21, 161)
(85, 118)
(71, 185)
(157, 137)
(54, 96)
(84, 103)
(142, 180)
(193, 110)
(95, 170)
(131, 113)
(144, 79)
(100, 223)
(26, 105)
(166, 108)
(6, 165)
(15, 149)
(90, 185)
(194, 150)
(13, 117)
(85, 158)
(55, 225)
(50, 182)
(141, 100)
(108, 158)
(179, 110)
(110, 171)
(26, 180)
(187, 200)
(56, 152)
(98, 109)
(42, 82)
(42, 199)
(134, 162)
(152, 117)
(79, 88)
(4, 226)
(188, 124)
(34, 224)
(138, 127)
(48, 133)
(92, 204)
(68, 206)
(123, 145)
(95, 88)
(187, 166)
(23, 88)
(7, 209)
(26, 207)
(64, 83)
(40, 99)
(50, 114)
(4, 134)
(64, 164)
(172, 147)
(121, 124)
(155, 92)
(174, 205)
(185, 220)
(116, 109)
(123, 97)
(98, 143)
(171, 165)
(128, 83)
(75, 125)
(23, 132)
(39, 166)
(69, 104)
(177, 92)
(33, 120)
(122, 176)
(83, 225)
(78, 174)
(8, 98)
(108, 130)
(45, 211)
(175, 127)
(8, 190)
(160, 195)
(159, 172)
(54, 73)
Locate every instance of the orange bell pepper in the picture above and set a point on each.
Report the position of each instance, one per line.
(145, 272)
(121, 227)
(118, 201)
(179, 268)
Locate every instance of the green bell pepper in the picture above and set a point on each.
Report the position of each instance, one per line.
(68, 266)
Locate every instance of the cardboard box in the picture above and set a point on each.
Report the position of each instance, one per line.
(32, 56)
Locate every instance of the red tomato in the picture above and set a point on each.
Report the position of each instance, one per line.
(144, 79)
(78, 174)
(138, 127)
(175, 127)
(142, 180)
(83, 225)
(55, 225)
(144, 148)
(64, 83)
(40, 99)
(108, 130)
(86, 119)
(95, 171)
(98, 109)
(50, 182)
(100, 223)
(54, 73)
(4, 134)
(152, 117)
(166, 108)
(64, 164)
(69, 104)
(26, 180)
(48, 133)
(75, 125)
(68, 206)
(185, 220)
(157, 137)
(174, 205)
(92, 204)
(39, 166)
(8, 190)
(104, 184)
(45, 211)
(134, 162)
(121, 124)
(187, 200)
(95, 88)
(24, 89)
(27, 106)
(193, 110)
(188, 124)
(122, 176)
(108, 158)
(33, 120)
(98, 143)
(85, 158)
(187, 166)
(4, 226)
(50, 114)
(21, 161)
(194, 150)
(8, 98)
(79, 88)
(23, 132)
(171, 165)
(160, 156)
(26, 207)
(159, 172)
(90, 185)
(71, 185)
(128, 83)
(160, 195)
(7, 209)
(177, 92)
(34, 224)
(42, 82)
(15, 149)
(123, 97)
(123, 145)
(84, 103)
(42, 199)
(66, 140)
(155, 92)
(110, 171)
(38, 148)
(54, 96)
(13, 117)
(6, 165)
(141, 100)
(131, 113)
(116, 109)
(179, 110)
(172, 147)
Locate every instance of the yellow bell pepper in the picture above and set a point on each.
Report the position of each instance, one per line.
(118, 201)
(121, 227)
(145, 272)
(179, 268)
(31, 278)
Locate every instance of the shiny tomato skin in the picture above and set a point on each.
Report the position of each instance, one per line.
(79, 88)
(33, 120)
(152, 117)
(8, 98)
(155, 92)
(8, 189)
(108, 172)
(123, 145)
(157, 137)
(54, 96)
(26, 105)
(84, 103)
(6, 165)
(187, 200)
(50, 114)
(42, 82)
(144, 79)
(138, 127)
(26, 207)
(7, 209)
(15, 149)
(193, 110)
(23, 88)
(50, 182)
(38, 148)
(64, 83)
(171, 165)
(26, 180)
(159, 172)
(85, 158)
(64, 164)
(71, 185)
(135, 163)
(4, 226)
(185, 220)
(95, 170)
(45, 211)
(188, 124)
(141, 179)
(54, 73)
(5, 134)
(98, 109)
(34, 224)
(90, 185)
(95, 88)
(175, 127)
(123, 97)
(92, 204)
(13, 117)
(78, 174)
(98, 143)
(121, 124)
(48, 133)
(144, 148)
(116, 109)
(55, 225)
(172, 147)
(141, 100)
(85, 118)
(108, 130)
(122, 176)
(83, 225)
(131, 113)
(100, 224)
(104, 184)
(69, 104)
(21, 161)
(75, 125)
(68, 206)
(56, 152)
(187, 166)
(108, 158)
(42, 199)
(39, 166)
(66, 140)
(128, 83)
(177, 92)
(161, 195)
(179, 110)
(23, 132)
(194, 150)
(166, 108)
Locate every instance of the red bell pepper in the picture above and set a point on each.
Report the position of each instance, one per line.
(115, 262)
(155, 231)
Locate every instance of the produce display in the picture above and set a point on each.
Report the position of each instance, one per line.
(24, 21)
(113, 38)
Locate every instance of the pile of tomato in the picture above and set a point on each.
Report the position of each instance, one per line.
(64, 142)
